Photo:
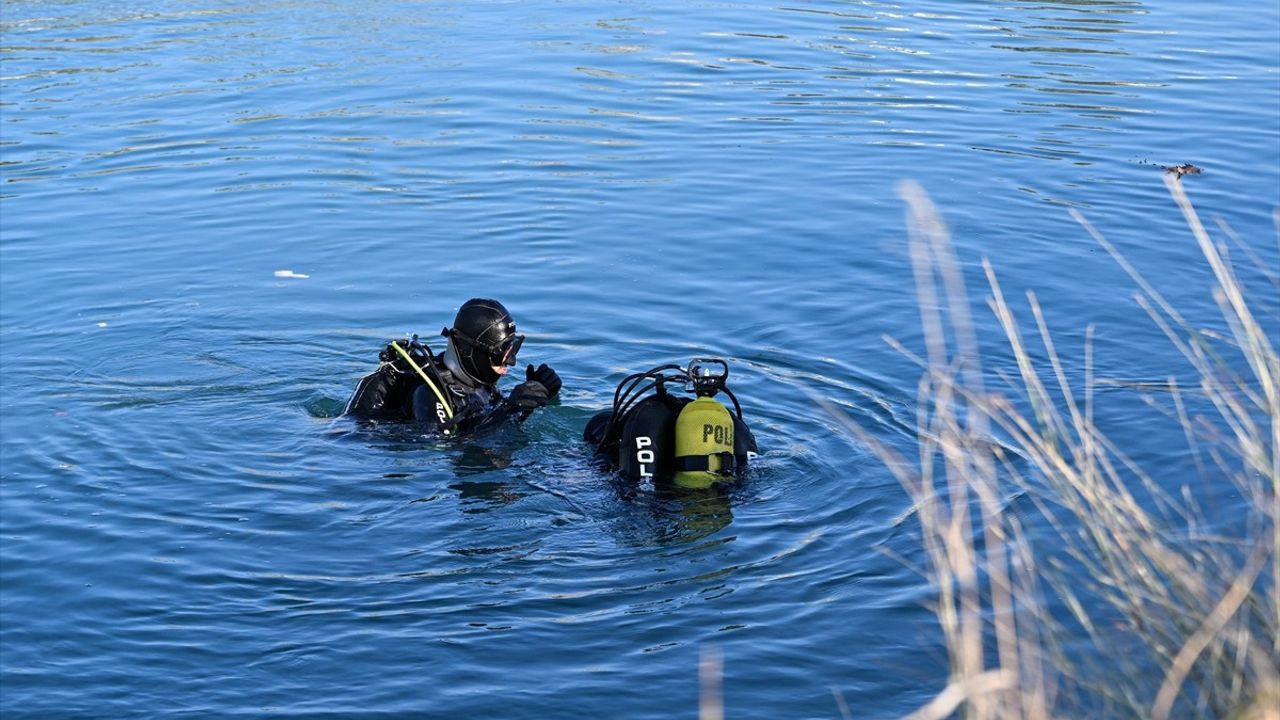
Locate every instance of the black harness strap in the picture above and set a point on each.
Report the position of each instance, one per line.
(695, 463)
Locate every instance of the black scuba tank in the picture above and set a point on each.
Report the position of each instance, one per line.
(695, 443)
(646, 449)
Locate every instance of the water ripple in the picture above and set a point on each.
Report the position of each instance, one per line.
(188, 528)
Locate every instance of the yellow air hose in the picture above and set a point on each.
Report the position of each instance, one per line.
(439, 395)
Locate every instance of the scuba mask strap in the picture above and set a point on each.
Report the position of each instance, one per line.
(504, 353)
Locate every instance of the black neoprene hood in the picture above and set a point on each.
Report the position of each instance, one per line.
(482, 333)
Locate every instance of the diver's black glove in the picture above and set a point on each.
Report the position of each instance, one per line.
(528, 396)
(545, 375)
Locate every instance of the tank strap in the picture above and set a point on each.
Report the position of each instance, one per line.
(702, 463)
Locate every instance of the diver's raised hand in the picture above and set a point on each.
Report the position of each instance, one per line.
(528, 396)
(546, 376)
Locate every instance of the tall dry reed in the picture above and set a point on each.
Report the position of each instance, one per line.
(1155, 616)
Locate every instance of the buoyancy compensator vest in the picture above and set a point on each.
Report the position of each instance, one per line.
(653, 434)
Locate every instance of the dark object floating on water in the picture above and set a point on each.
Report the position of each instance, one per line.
(1180, 170)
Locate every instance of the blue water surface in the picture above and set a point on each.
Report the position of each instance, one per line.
(189, 530)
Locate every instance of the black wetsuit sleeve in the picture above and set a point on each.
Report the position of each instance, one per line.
(497, 414)
(478, 416)
(472, 411)
(381, 395)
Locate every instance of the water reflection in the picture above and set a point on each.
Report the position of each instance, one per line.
(909, 78)
(670, 515)
(479, 458)
(483, 496)
(880, 73)
(691, 515)
(644, 183)
(477, 495)
(482, 466)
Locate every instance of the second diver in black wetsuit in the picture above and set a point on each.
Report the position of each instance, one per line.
(654, 434)
(457, 392)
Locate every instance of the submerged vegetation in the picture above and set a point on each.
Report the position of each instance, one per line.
(1135, 603)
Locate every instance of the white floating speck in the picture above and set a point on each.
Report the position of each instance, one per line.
(102, 324)
(290, 274)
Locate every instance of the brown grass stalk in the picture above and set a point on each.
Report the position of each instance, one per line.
(1196, 605)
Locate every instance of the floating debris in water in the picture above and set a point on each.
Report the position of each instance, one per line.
(1180, 170)
(102, 324)
(290, 274)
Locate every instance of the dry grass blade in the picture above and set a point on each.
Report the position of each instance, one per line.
(710, 681)
(1200, 623)
(945, 704)
(1210, 628)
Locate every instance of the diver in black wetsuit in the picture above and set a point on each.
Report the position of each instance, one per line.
(653, 434)
(456, 392)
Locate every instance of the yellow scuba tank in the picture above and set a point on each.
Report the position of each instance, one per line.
(704, 444)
